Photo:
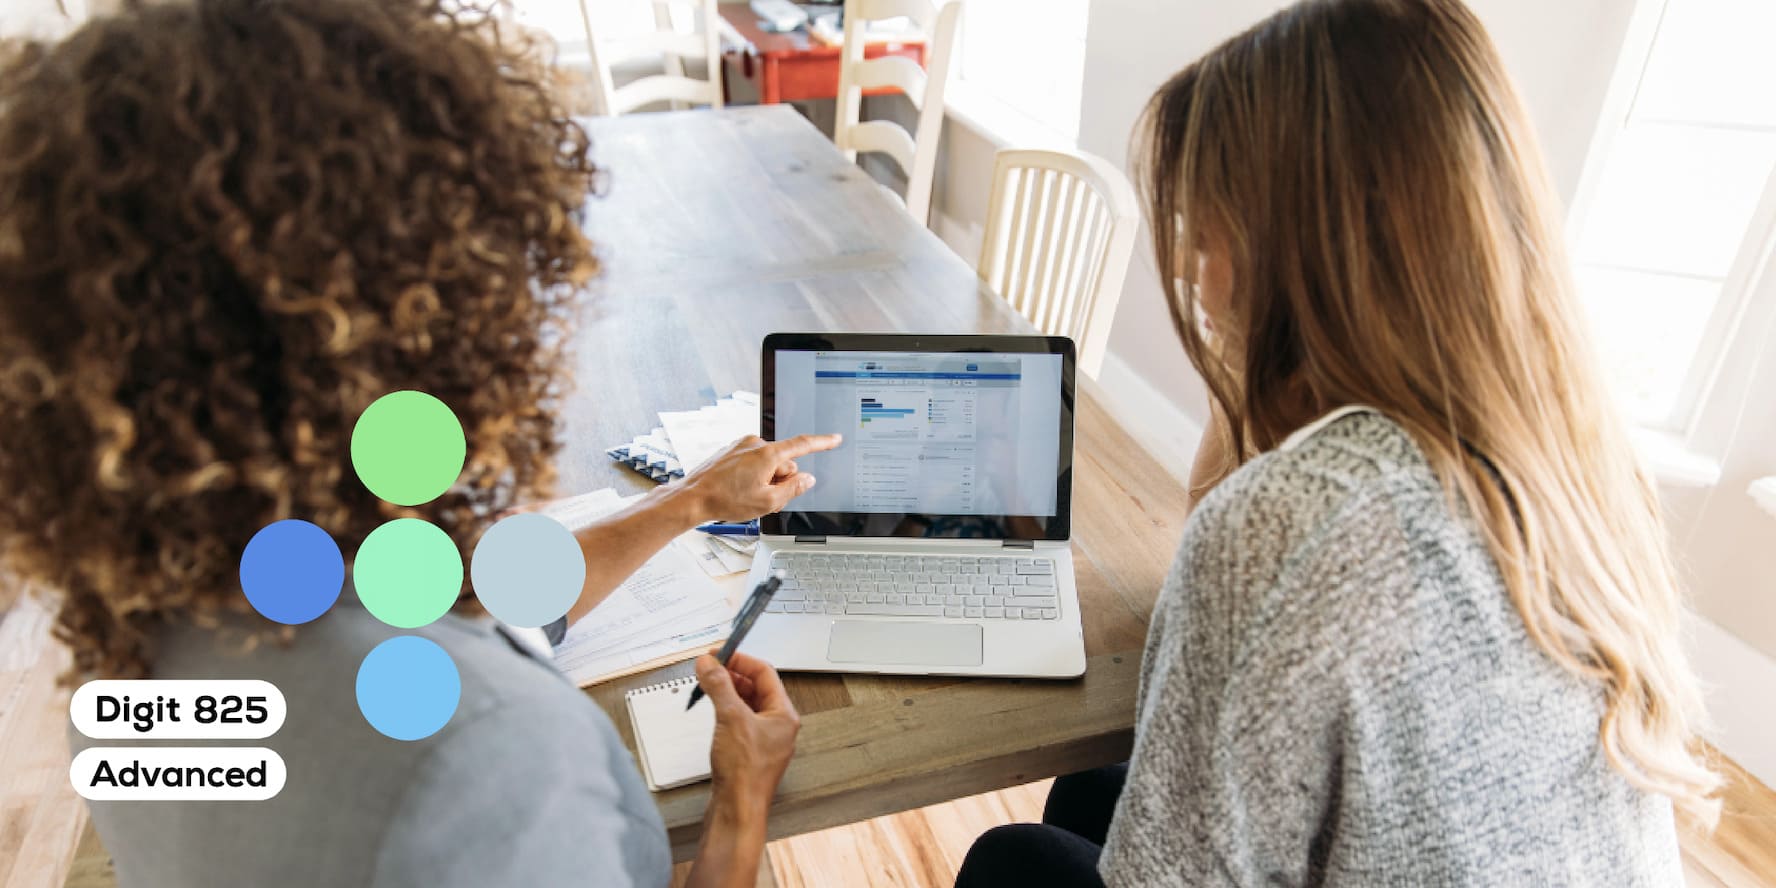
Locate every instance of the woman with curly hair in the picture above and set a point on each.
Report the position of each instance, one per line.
(228, 226)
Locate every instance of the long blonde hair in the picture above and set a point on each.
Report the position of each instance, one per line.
(1395, 242)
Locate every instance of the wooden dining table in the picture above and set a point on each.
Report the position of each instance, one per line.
(718, 227)
(715, 228)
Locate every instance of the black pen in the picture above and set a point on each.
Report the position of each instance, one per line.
(749, 613)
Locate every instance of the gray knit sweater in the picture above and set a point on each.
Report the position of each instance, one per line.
(1337, 691)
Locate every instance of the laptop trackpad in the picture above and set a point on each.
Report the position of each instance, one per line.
(905, 644)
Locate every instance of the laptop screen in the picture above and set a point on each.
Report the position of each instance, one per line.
(964, 436)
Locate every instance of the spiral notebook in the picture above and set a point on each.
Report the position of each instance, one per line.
(673, 744)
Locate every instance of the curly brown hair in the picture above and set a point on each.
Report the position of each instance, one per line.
(227, 226)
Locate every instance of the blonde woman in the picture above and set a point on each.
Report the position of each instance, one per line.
(1423, 627)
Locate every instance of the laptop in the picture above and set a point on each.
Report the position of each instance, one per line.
(935, 539)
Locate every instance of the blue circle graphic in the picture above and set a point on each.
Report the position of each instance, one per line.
(408, 688)
(292, 571)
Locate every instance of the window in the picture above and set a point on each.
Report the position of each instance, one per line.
(1675, 215)
(611, 19)
(1019, 68)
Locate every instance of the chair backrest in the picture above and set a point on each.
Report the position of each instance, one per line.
(668, 44)
(916, 154)
(1060, 229)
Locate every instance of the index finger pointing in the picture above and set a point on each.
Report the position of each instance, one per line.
(802, 445)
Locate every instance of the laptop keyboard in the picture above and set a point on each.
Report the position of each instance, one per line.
(971, 587)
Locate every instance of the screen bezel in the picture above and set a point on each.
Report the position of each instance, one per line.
(791, 522)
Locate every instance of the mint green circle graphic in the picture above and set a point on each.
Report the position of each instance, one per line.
(408, 448)
(408, 573)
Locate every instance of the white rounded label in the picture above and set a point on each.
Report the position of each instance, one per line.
(176, 773)
(150, 709)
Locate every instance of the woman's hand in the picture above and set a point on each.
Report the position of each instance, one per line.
(754, 477)
(755, 729)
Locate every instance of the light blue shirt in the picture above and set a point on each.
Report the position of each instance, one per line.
(529, 784)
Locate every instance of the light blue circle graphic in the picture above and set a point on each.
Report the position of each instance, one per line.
(408, 688)
(528, 570)
(292, 571)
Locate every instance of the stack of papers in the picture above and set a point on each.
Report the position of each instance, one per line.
(899, 25)
(697, 435)
(829, 29)
(650, 454)
(723, 554)
(670, 606)
(688, 438)
(673, 605)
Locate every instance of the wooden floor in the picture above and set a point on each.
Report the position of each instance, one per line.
(44, 839)
(913, 848)
(40, 817)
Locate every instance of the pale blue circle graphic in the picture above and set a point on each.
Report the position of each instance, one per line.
(408, 688)
(292, 571)
(527, 570)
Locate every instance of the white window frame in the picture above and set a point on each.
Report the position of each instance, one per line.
(995, 120)
(1686, 447)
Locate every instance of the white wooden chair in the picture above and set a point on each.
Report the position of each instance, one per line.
(916, 154)
(672, 47)
(1060, 229)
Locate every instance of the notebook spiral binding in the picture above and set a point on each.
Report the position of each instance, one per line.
(685, 681)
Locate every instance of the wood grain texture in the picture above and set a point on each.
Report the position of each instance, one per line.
(911, 848)
(92, 867)
(40, 817)
(721, 227)
(681, 874)
(1741, 852)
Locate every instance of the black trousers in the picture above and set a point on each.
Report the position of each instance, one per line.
(1063, 849)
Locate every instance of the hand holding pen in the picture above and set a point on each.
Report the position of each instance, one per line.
(749, 614)
(755, 731)
(755, 722)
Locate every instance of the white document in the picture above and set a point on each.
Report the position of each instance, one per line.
(667, 598)
(697, 435)
(576, 512)
(584, 667)
(655, 603)
(716, 555)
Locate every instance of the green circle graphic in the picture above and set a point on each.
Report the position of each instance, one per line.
(408, 573)
(408, 448)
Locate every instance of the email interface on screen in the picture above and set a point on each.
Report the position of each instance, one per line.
(932, 433)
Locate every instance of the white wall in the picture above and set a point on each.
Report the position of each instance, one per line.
(1561, 54)
(1726, 546)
